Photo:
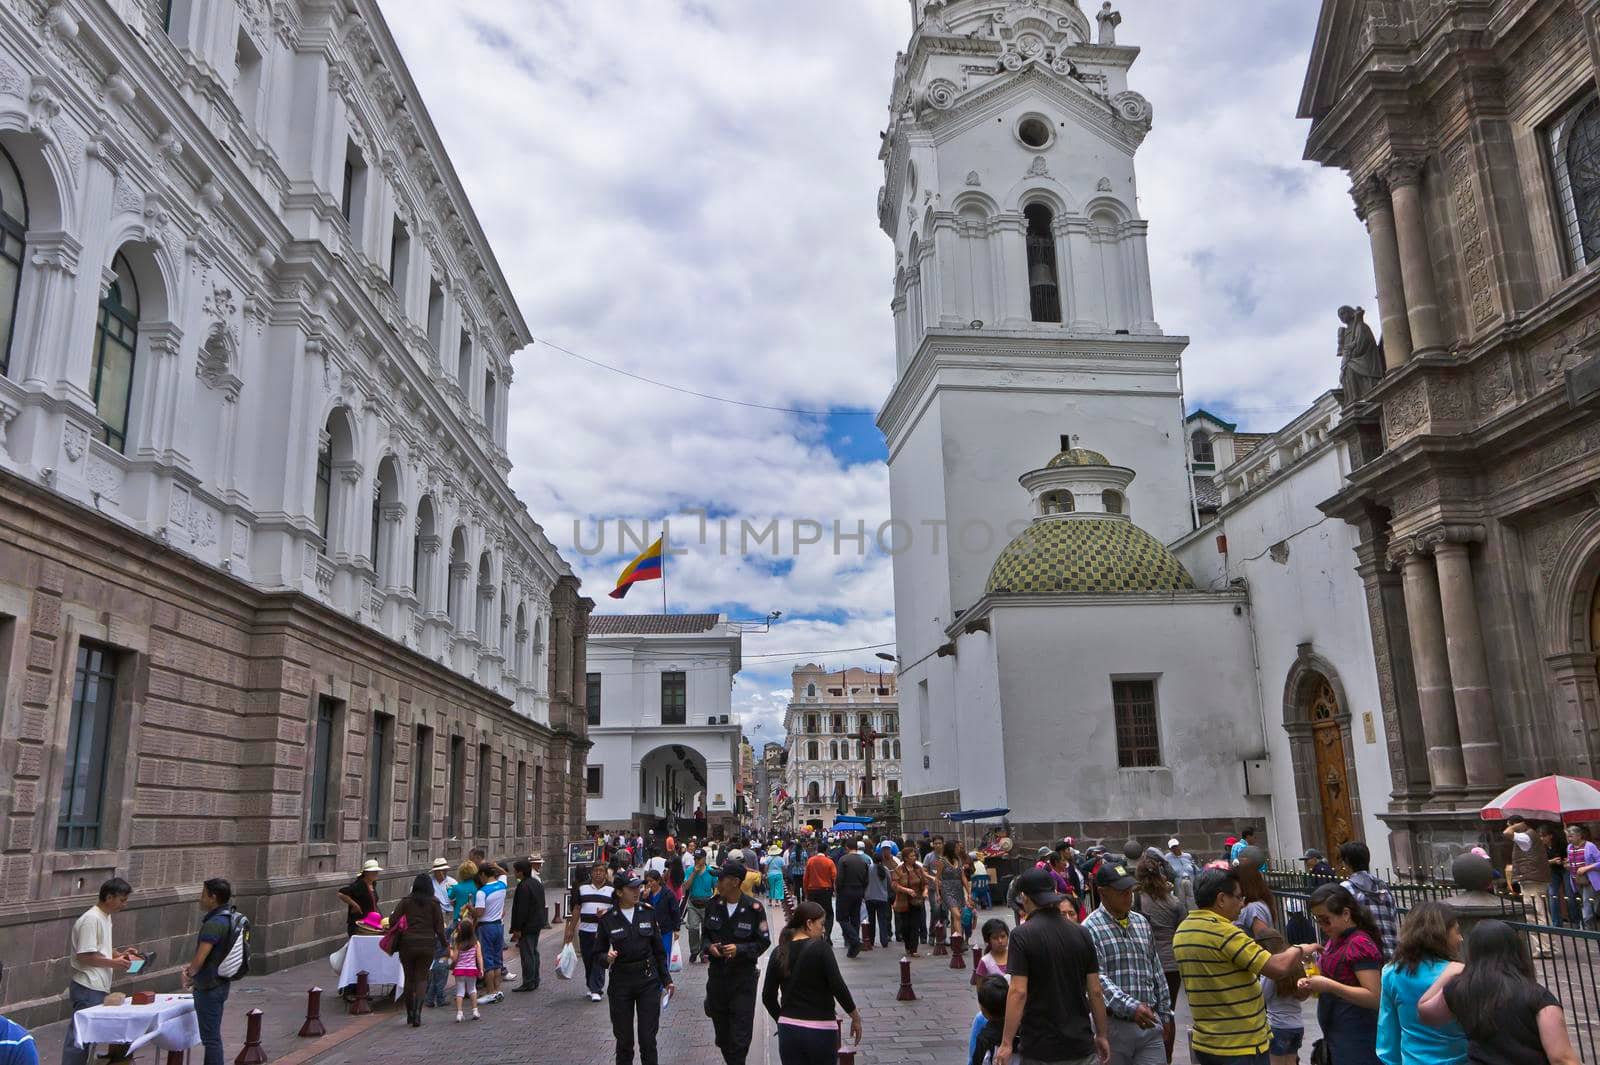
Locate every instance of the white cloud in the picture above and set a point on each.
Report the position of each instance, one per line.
(686, 190)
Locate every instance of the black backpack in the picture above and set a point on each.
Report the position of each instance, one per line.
(235, 961)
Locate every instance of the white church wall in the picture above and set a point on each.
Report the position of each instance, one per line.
(1304, 589)
(1056, 664)
(978, 724)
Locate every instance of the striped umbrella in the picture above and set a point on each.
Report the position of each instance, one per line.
(1570, 800)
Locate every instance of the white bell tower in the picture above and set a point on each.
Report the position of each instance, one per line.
(1024, 321)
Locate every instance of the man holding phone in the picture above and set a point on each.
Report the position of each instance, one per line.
(210, 989)
(94, 960)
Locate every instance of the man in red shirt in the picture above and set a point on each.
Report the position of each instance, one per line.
(820, 876)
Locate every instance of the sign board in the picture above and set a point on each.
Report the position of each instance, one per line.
(581, 853)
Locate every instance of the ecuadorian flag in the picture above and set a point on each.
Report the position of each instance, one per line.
(647, 567)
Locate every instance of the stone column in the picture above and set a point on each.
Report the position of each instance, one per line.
(1011, 273)
(1374, 208)
(1086, 296)
(1416, 261)
(1469, 670)
(1425, 621)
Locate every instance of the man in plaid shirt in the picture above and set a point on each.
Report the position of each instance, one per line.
(1372, 893)
(1131, 976)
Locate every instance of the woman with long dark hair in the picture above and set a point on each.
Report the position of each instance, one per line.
(1350, 981)
(1165, 911)
(1508, 1015)
(1430, 939)
(1260, 913)
(422, 933)
(802, 984)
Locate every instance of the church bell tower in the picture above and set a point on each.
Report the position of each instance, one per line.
(1024, 319)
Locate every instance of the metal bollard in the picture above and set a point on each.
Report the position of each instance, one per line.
(252, 1054)
(866, 934)
(977, 956)
(939, 948)
(905, 994)
(958, 955)
(359, 1006)
(313, 1025)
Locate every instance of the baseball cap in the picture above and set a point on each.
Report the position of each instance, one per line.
(734, 869)
(624, 880)
(1312, 852)
(1039, 886)
(1115, 876)
(1173, 842)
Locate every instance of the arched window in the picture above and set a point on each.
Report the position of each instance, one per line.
(811, 750)
(485, 598)
(459, 569)
(1201, 448)
(324, 492)
(1111, 501)
(811, 691)
(13, 232)
(1057, 502)
(1575, 153)
(897, 748)
(885, 753)
(116, 335)
(1043, 293)
(520, 662)
(833, 749)
(814, 791)
(385, 505)
(424, 543)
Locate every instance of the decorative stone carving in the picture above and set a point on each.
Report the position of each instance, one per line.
(1109, 21)
(1568, 348)
(1011, 61)
(1404, 413)
(973, 179)
(1548, 540)
(11, 82)
(1470, 235)
(1104, 185)
(1039, 167)
(941, 94)
(74, 441)
(1134, 110)
(1404, 171)
(103, 479)
(1360, 358)
(1492, 387)
(202, 524)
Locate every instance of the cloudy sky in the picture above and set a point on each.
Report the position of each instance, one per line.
(685, 190)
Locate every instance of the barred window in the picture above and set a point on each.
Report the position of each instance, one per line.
(674, 698)
(1573, 143)
(1138, 740)
(323, 781)
(83, 785)
(591, 697)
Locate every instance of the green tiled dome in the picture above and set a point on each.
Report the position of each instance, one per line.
(1093, 555)
(1077, 456)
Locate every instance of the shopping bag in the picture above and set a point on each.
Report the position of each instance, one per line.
(567, 962)
(675, 958)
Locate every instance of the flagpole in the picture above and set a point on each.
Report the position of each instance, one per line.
(663, 573)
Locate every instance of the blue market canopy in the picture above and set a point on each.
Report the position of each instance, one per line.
(851, 819)
(976, 815)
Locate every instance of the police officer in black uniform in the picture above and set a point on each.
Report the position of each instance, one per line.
(638, 963)
(735, 930)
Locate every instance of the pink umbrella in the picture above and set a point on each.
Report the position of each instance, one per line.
(1570, 800)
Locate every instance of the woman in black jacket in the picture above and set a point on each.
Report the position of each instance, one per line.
(423, 932)
(803, 983)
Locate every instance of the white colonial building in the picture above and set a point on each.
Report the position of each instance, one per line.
(827, 760)
(268, 605)
(666, 749)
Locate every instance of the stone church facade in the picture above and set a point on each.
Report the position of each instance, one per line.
(268, 605)
(1471, 134)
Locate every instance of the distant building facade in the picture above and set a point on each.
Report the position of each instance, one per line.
(268, 605)
(827, 763)
(659, 694)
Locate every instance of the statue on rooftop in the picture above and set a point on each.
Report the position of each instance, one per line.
(1360, 357)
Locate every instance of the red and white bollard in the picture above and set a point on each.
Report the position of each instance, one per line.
(905, 994)
(313, 1025)
(866, 934)
(939, 948)
(958, 955)
(252, 1054)
(977, 956)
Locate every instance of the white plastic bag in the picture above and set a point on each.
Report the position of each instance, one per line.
(675, 955)
(567, 963)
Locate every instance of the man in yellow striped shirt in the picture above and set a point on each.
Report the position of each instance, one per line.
(1222, 967)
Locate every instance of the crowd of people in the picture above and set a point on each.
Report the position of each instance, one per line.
(1089, 967)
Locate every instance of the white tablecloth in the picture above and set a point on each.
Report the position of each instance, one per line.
(364, 954)
(169, 1022)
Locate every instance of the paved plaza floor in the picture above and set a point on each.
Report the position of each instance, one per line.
(558, 1024)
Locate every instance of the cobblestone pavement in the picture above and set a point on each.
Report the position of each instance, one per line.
(558, 1024)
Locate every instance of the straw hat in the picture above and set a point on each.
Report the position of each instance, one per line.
(371, 866)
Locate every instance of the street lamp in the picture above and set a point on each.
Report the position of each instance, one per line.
(886, 656)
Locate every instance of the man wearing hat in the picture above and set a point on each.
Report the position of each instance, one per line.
(528, 917)
(637, 959)
(1055, 984)
(735, 936)
(1131, 975)
(1317, 865)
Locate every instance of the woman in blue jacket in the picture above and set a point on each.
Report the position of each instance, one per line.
(1430, 939)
